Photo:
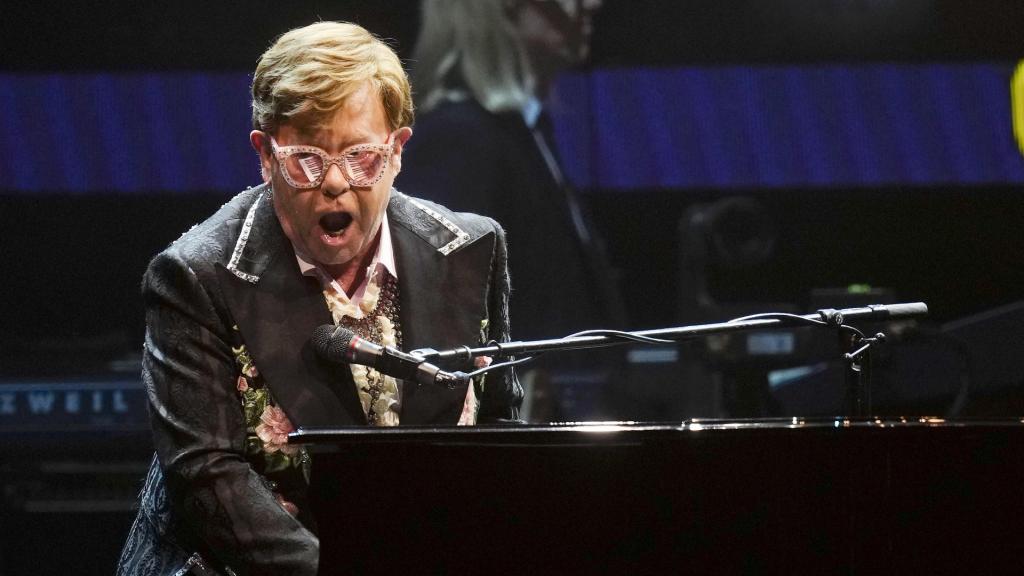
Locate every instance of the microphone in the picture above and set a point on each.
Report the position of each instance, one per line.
(905, 310)
(340, 345)
(874, 312)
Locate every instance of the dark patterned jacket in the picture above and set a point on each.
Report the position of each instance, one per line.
(229, 320)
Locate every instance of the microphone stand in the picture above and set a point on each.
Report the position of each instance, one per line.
(858, 359)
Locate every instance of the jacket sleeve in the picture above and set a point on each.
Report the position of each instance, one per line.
(199, 431)
(502, 394)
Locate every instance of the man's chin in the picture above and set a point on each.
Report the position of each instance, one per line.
(329, 249)
(333, 258)
(337, 252)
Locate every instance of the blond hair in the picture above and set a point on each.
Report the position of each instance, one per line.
(471, 41)
(309, 73)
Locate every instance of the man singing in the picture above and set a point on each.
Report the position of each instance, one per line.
(231, 305)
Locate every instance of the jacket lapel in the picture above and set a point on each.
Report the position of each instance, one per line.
(442, 276)
(277, 309)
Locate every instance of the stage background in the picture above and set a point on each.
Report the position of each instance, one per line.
(852, 150)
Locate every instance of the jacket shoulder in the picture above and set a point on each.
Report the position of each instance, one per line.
(211, 241)
(426, 217)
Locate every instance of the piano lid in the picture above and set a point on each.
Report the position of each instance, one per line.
(606, 432)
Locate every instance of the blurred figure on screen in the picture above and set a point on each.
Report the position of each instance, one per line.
(482, 74)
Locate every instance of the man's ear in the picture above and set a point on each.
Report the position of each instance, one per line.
(261, 144)
(401, 137)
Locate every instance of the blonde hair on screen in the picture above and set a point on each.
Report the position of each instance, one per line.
(309, 73)
(474, 40)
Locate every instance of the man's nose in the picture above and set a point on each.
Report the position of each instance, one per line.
(334, 183)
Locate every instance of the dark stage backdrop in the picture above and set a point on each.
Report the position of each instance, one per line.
(869, 144)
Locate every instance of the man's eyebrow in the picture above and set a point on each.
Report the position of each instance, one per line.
(306, 135)
(309, 138)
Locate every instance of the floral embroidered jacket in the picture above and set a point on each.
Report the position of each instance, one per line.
(229, 370)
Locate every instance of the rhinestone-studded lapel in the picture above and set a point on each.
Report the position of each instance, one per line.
(443, 294)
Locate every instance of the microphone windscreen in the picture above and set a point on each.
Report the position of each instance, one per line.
(332, 342)
(907, 310)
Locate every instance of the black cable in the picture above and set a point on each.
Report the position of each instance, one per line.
(610, 333)
(805, 320)
(779, 316)
(486, 369)
(622, 336)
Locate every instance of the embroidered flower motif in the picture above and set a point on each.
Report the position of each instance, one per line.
(388, 335)
(244, 361)
(377, 392)
(266, 426)
(341, 307)
(273, 431)
(385, 403)
(372, 293)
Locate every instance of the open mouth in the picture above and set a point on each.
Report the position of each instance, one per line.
(335, 223)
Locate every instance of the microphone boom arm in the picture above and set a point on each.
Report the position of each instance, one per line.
(824, 317)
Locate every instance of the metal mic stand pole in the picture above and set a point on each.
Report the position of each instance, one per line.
(858, 360)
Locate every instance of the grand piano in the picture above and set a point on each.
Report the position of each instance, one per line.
(854, 495)
(809, 496)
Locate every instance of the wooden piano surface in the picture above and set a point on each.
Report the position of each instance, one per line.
(805, 496)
